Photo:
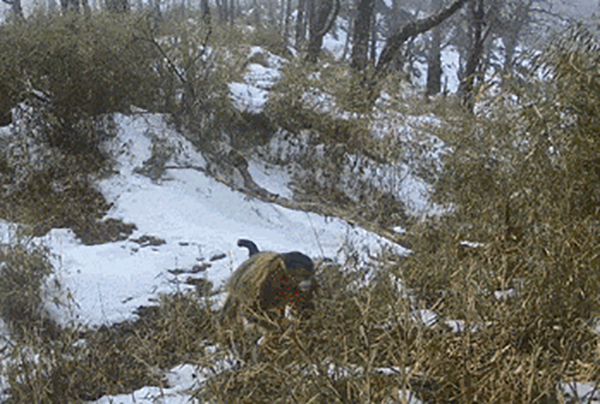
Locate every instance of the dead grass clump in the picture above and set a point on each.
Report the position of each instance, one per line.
(526, 306)
(23, 273)
(86, 364)
(516, 259)
(357, 347)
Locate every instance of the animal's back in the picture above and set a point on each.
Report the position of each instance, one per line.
(250, 285)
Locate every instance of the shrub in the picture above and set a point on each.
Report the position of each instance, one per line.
(514, 257)
(23, 275)
(87, 363)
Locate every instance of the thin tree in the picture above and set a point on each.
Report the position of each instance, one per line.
(69, 6)
(205, 11)
(434, 60)
(17, 8)
(287, 16)
(117, 6)
(301, 24)
(511, 28)
(361, 34)
(321, 16)
(476, 40)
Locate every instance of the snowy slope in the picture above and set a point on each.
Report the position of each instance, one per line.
(198, 217)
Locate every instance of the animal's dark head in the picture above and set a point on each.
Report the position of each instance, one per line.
(296, 260)
(301, 267)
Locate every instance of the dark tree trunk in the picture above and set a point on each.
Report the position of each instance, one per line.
(411, 30)
(434, 60)
(510, 35)
(7, 102)
(69, 6)
(205, 10)
(117, 6)
(231, 16)
(85, 4)
(373, 38)
(223, 7)
(476, 39)
(156, 11)
(362, 32)
(219, 5)
(17, 9)
(287, 16)
(321, 16)
(225, 4)
(301, 24)
(256, 13)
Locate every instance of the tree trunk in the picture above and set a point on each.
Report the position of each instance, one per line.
(510, 36)
(411, 30)
(231, 8)
(321, 16)
(205, 11)
(301, 24)
(219, 4)
(87, 12)
(156, 11)
(373, 55)
(287, 13)
(434, 60)
(117, 6)
(225, 4)
(223, 7)
(69, 6)
(362, 32)
(476, 39)
(17, 9)
(7, 102)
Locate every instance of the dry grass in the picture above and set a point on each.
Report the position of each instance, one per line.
(86, 364)
(363, 344)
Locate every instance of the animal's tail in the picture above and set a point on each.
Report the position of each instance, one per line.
(252, 248)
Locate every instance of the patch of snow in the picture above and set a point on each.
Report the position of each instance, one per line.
(455, 325)
(461, 326)
(450, 68)
(248, 97)
(399, 230)
(333, 45)
(505, 294)
(580, 392)
(424, 316)
(253, 93)
(273, 179)
(335, 40)
(471, 244)
(182, 378)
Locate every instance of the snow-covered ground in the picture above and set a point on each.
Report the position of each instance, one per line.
(198, 217)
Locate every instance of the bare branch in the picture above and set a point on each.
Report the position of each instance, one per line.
(330, 18)
(411, 30)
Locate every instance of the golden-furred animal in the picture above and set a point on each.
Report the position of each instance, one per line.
(267, 283)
